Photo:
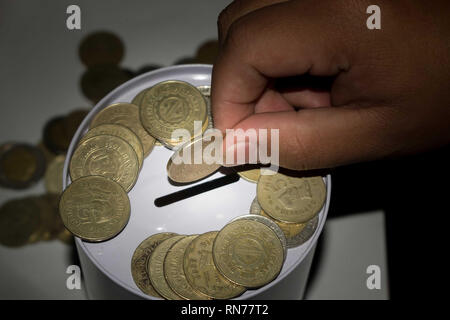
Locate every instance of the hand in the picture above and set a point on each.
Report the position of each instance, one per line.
(389, 88)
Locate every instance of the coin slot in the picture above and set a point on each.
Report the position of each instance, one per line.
(195, 190)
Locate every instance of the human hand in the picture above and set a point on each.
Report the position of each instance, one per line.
(389, 88)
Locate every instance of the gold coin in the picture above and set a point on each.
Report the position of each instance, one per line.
(94, 208)
(292, 231)
(108, 156)
(19, 222)
(267, 221)
(208, 51)
(172, 105)
(182, 168)
(174, 272)
(206, 92)
(291, 199)
(126, 114)
(99, 80)
(155, 268)
(202, 273)
(138, 98)
(54, 175)
(121, 132)
(101, 47)
(21, 165)
(248, 253)
(47, 214)
(251, 175)
(140, 259)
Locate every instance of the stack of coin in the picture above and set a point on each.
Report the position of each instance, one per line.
(247, 253)
(292, 202)
(172, 105)
(107, 160)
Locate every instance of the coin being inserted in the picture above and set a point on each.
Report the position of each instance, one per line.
(194, 161)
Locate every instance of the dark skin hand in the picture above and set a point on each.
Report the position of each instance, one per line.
(389, 88)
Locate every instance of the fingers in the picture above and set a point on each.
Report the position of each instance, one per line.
(282, 40)
(323, 137)
(237, 9)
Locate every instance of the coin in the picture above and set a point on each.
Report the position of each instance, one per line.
(54, 175)
(208, 51)
(19, 222)
(248, 253)
(46, 215)
(172, 105)
(137, 101)
(182, 168)
(121, 132)
(206, 92)
(99, 80)
(202, 273)
(155, 268)
(174, 272)
(292, 231)
(140, 259)
(55, 226)
(94, 208)
(269, 223)
(55, 136)
(138, 98)
(126, 114)
(21, 165)
(48, 155)
(107, 156)
(291, 199)
(73, 120)
(101, 48)
(249, 172)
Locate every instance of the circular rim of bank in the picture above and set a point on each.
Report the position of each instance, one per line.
(198, 75)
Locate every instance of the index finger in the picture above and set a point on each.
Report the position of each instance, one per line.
(278, 41)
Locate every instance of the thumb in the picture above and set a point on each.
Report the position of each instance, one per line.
(314, 138)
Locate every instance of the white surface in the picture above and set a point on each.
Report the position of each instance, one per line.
(350, 245)
(39, 76)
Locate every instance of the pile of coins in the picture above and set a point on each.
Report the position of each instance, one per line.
(246, 253)
(110, 155)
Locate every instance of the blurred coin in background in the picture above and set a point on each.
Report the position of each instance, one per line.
(53, 175)
(101, 47)
(97, 81)
(55, 136)
(73, 120)
(19, 222)
(21, 165)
